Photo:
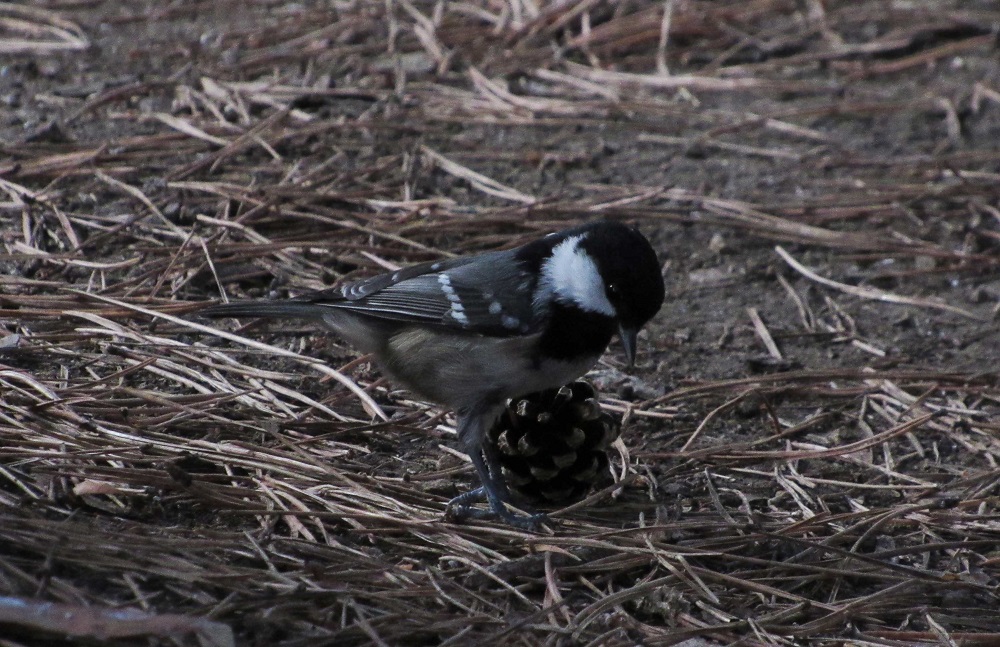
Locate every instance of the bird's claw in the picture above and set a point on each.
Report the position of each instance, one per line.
(460, 508)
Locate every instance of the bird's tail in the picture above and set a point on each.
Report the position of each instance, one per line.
(271, 309)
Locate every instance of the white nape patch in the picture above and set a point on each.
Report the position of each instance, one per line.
(457, 310)
(571, 274)
(495, 308)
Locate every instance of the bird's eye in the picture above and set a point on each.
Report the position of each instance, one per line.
(614, 292)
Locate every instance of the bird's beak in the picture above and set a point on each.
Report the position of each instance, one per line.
(629, 341)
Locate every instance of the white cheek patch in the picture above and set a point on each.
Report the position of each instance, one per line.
(571, 274)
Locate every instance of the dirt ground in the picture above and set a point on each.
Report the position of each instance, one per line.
(810, 438)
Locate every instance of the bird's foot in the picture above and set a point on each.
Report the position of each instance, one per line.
(461, 508)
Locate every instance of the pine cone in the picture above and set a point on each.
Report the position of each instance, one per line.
(553, 444)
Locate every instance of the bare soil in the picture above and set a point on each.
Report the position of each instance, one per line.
(810, 444)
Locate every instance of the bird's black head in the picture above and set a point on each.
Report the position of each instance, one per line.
(592, 279)
(631, 275)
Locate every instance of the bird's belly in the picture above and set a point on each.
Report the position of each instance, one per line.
(460, 370)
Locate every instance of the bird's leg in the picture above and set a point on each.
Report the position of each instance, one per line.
(472, 426)
(463, 500)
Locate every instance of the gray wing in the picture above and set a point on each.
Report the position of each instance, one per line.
(488, 294)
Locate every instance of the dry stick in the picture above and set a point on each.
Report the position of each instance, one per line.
(371, 407)
(189, 129)
(968, 639)
(239, 192)
(477, 180)
(598, 89)
(501, 98)
(764, 334)
(857, 605)
(752, 120)
(103, 622)
(694, 81)
(67, 226)
(790, 377)
(115, 94)
(65, 36)
(592, 611)
(211, 266)
(872, 293)
(923, 58)
(981, 91)
(687, 575)
(783, 433)
(805, 313)
(745, 213)
(661, 50)
(688, 142)
(849, 448)
(18, 193)
(229, 148)
(711, 416)
(553, 600)
(366, 626)
(175, 257)
(143, 198)
(558, 17)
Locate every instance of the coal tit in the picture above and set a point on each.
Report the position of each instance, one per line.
(474, 331)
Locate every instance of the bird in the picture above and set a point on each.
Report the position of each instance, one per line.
(474, 331)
